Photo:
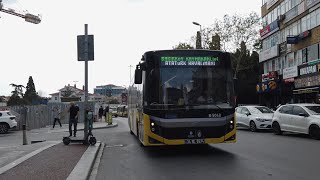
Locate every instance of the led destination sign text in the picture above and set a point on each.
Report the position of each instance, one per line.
(189, 61)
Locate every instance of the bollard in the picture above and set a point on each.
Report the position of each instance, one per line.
(24, 134)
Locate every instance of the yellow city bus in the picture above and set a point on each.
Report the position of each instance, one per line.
(182, 97)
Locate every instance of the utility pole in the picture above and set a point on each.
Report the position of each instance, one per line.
(86, 56)
(86, 53)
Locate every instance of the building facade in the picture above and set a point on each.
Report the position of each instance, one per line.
(72, 93)
(110, 90)
(290, 52)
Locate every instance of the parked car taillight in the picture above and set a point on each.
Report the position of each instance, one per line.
(12, 118)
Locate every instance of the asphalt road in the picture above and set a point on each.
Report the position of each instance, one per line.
(255, 156)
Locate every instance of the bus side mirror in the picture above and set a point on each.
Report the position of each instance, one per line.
(138, 76)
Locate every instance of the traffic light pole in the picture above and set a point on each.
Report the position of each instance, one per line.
(86, 56)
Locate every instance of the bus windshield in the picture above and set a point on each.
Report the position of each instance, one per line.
(194, 86)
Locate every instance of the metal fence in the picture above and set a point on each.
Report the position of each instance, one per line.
(39, 116)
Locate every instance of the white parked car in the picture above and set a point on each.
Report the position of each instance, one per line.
(7, 121)
(254, 117)
(298, 118)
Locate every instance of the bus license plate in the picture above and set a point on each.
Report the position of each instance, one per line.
(194, 141)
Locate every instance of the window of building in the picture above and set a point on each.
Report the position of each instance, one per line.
(313, 20)
(55, 98)
(318, 16)
(277, 64)
(283, 8)
(287, 5)
(298, 26)
(303, 24)
(265, 67)
(298, 57)
(304, 55)
(273, 65)
(308, 22)
(269, 66)
(283, 60)
(290, 59)
(313, 52)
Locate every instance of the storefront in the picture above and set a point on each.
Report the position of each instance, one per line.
(307, 85)
(269, 93)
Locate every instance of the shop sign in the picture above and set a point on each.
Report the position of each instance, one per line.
(268, 86)
(265, 77)
(310, 3)
(269, 53)
(308, 70)
(296, 39)
(273, 75)
(290, 72)
(307, 81)
(304, 35)
(270, 3)
(269, 76)
(269, 29)
(289, 80)
(292, 39)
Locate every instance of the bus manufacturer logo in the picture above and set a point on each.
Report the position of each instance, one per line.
(191, 135)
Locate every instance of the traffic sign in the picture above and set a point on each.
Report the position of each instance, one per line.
(81, 48)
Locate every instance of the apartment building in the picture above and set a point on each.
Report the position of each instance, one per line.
(290, 55)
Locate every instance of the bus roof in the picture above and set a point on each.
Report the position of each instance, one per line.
(190, 50)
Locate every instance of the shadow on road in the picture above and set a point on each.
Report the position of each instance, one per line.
(258, 131)
(207, 151)
(297, 135)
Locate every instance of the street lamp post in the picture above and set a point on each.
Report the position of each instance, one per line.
(200, 43)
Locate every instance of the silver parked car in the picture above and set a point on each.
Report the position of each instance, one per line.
(298, 118)
(254, 117)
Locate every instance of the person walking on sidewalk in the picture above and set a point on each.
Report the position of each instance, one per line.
(56, 116)
(100, 113)
(73, 118)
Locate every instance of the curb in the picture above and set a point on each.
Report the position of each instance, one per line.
(83, 168)
(22, 159)
(94, 171)
(103, 127)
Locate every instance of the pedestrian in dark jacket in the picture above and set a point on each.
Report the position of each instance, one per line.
(100, 113)
(73, 118)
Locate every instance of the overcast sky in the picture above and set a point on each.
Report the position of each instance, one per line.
(123, 30)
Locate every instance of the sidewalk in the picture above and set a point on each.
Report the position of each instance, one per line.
(50, 159)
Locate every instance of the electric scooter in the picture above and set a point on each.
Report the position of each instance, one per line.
(90, 138)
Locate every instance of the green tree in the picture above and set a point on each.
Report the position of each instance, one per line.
(215, 43)
(30, 94)
(183, 46)
(67, 92)
(237, 31)
(17, 96)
